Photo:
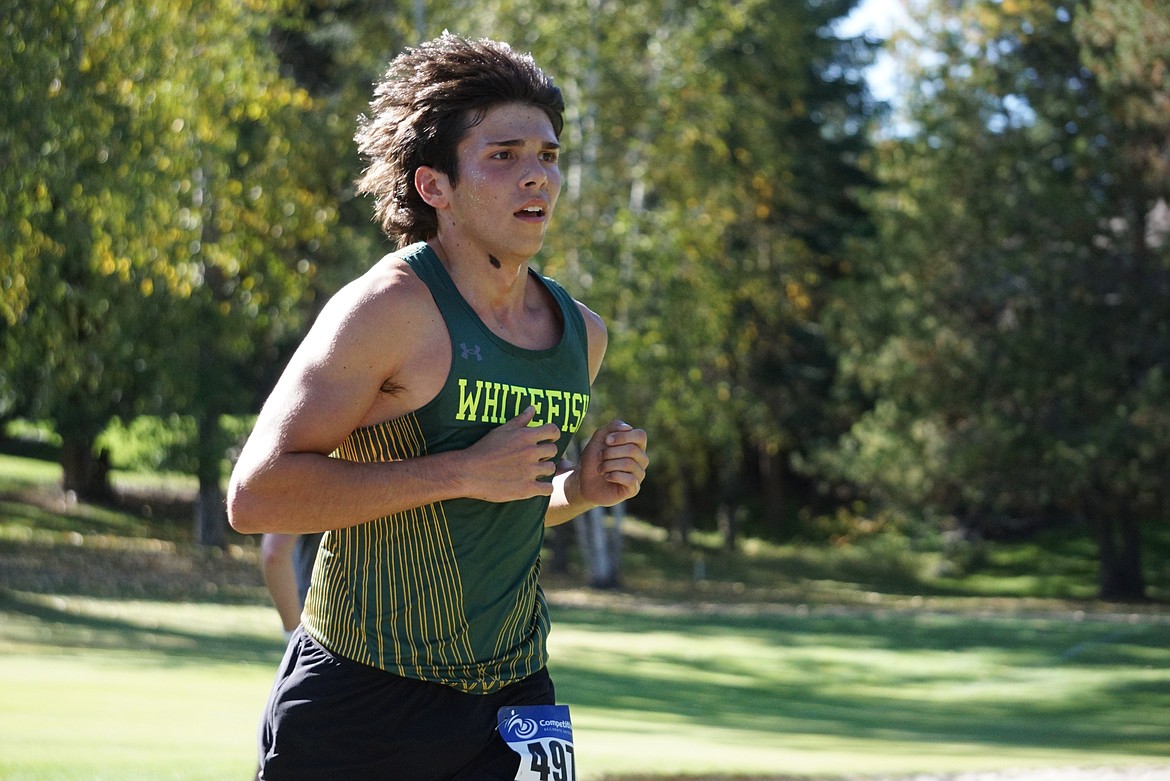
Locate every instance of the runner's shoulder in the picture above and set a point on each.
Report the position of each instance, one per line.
(387, 297)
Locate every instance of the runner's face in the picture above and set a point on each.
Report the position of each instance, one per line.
(508, 182)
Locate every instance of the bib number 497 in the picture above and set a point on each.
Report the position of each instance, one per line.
(552, 760)
(543, 737)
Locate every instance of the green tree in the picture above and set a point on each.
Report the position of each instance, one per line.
(1012, 328)
(798, 132)
(171, 198)
(711, 181)
(77, 183)
(258, 200)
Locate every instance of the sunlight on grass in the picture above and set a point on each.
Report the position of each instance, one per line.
(121, 716)
(143, 690)
(131, 654)
(156, 690)
(161, 483)
(61, 524)
(1063, 587)
(18, 473)
(816, 696)
(53, 624)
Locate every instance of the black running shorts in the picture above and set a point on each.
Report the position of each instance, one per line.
(333, 719)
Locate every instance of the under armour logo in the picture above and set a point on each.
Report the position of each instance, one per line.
(470, 351)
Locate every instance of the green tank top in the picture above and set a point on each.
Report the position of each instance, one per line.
(449, 592)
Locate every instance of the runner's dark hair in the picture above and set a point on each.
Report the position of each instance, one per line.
(423, 106)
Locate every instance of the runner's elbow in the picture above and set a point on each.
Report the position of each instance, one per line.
(245, 510)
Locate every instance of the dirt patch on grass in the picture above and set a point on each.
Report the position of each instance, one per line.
(109, 567)
(51, 544)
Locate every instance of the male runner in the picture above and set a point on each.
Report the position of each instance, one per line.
(421, 425)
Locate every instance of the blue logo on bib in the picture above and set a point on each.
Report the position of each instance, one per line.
(534, 722)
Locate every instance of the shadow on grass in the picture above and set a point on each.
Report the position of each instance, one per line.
(836, 677)
(38, 622)
(843, 676)
(81, 518)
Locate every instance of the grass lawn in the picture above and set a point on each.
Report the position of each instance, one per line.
(122, 689)
(129, 654)
(103, 689)
(830, 692)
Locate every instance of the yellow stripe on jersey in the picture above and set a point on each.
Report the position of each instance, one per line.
(379, 587)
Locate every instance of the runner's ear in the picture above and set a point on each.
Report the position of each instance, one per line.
(432, 186)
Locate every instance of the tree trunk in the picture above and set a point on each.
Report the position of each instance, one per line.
(600, 544)
(617, 516)
(557, 540)
(85, 475)
(727, 512)
(1119, 556)
(680, 512)
(728, 525)
(772, 490)
(210, 509)
(210, 515)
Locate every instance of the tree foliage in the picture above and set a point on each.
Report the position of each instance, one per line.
(967, 324)
(711, 173)
(168, 202)
(1012, 331)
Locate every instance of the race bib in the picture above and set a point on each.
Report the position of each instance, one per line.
(543, 737)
